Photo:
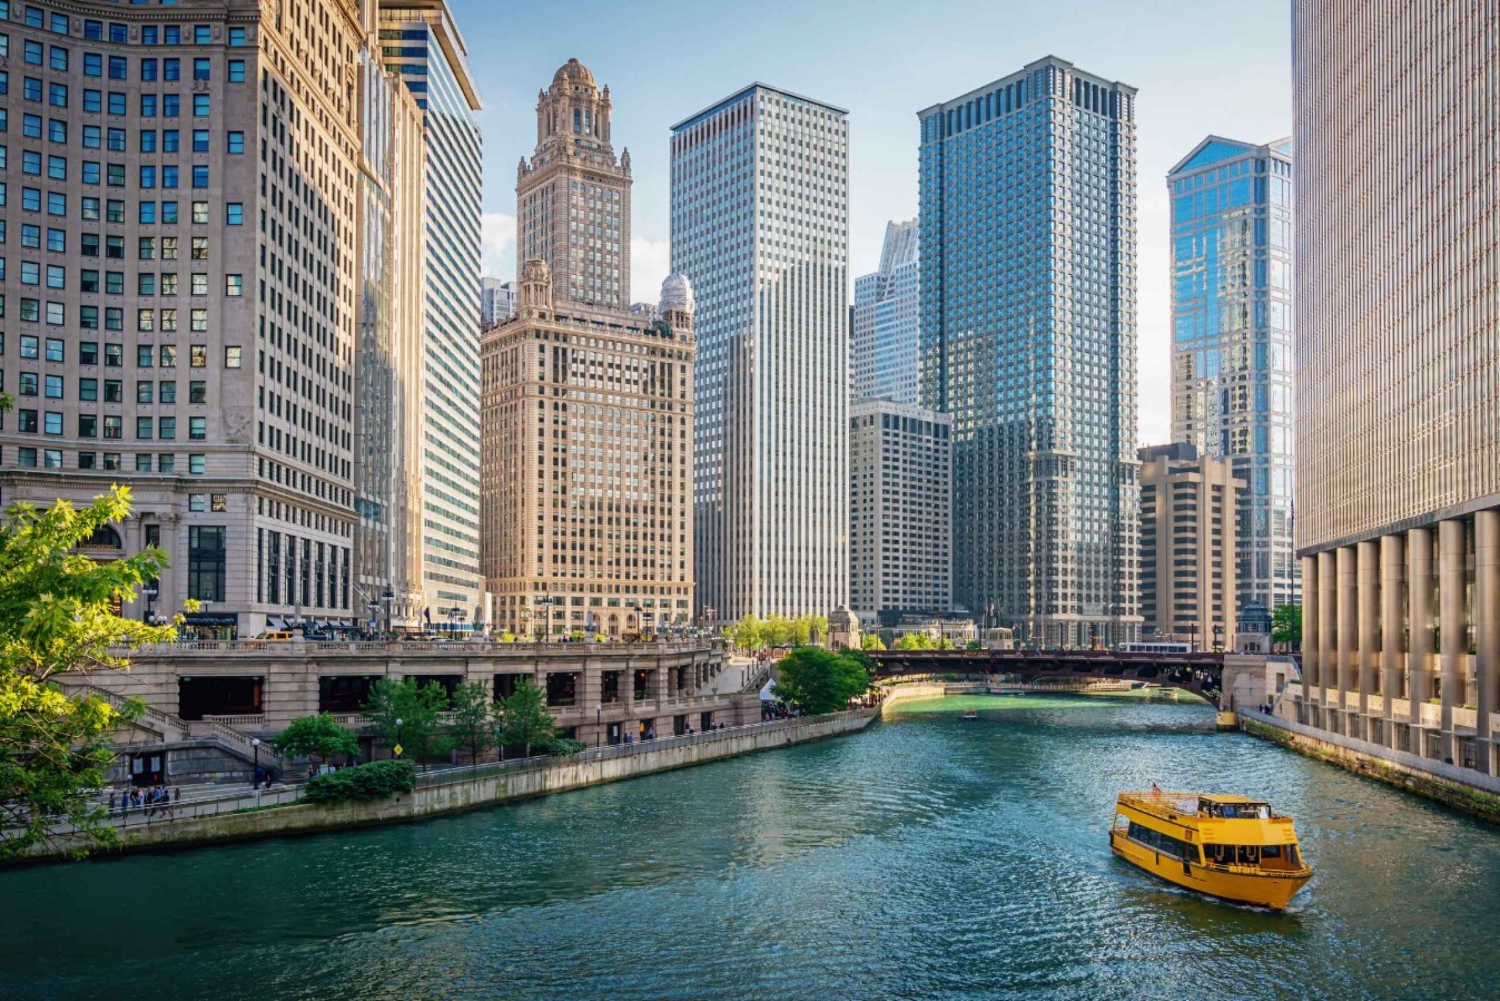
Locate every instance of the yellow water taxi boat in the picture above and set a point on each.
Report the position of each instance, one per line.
(1225, 846)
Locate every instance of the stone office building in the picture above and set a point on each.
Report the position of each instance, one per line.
(1188, 538)
(180, 276)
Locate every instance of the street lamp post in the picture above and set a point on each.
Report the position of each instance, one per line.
(598, 724)
(546, 601)
(255, 776)
(398, 737)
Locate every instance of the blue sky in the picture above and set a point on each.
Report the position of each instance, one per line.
(1201, 68)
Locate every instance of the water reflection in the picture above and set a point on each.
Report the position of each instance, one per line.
(927, 857)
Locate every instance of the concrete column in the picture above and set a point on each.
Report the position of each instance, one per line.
(1347, 635)
(1368, 582)
(1419, 610)
(1486, 626)
(1392, 622)
(1452, 657)
(1310, 667)
(1327, 622)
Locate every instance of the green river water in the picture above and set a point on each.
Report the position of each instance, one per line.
(927, 857)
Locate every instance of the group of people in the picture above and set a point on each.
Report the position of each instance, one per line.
(154, 800)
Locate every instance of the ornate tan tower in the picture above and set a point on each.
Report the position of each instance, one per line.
(573, 198)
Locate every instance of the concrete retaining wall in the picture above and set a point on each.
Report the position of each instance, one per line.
(575, 772)
(1461, 788)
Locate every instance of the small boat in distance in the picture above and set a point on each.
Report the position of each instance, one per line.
(1230, 847)
(971, 714)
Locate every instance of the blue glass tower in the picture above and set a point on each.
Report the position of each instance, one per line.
(883, 332)
(1232, 342)
(1028, 339)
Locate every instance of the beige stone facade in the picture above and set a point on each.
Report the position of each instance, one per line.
(573, 198)
(588, 434)
(598, 692)
(587, 406)
(182, 288)
(1398, 376)
(1188, 540)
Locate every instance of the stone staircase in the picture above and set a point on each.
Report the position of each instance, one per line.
(172, 729)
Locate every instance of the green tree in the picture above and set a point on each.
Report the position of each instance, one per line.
(416, 709)
(799, 630)
(747, 634)
(779, 631)
(525, 721)
(57, 618)
(861, 658)
(819, 625)
(319, 735)
(871, 641)
(915, 641)
(1286, 625)
(818, 680)
(474, 718)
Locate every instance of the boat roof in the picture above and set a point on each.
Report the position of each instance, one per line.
(1226, 799)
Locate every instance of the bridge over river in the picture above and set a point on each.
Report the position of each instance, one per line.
(1202, 674)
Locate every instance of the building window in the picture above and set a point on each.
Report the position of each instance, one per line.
(206, 561)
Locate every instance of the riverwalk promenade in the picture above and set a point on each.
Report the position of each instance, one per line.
(279, 811)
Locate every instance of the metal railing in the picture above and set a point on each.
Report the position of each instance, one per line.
(146, 814)
(408, 648)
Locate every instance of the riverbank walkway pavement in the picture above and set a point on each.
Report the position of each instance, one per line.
(211, 800)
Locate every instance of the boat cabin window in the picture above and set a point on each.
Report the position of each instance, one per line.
(1164, 843)
(1256, 856)
(1237, 811)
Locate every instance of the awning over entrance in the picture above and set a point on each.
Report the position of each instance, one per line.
(211, 618)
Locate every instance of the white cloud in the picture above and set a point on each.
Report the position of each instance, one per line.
(650, 263)
(497, 245)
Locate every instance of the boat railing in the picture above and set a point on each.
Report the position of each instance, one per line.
(1162, 801)
(1251, 870)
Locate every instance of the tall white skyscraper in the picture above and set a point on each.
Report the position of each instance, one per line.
(420, 43)
(885, 329)
(760, 224)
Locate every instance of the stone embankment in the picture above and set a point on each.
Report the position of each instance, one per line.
(451, 790)
(1463, 789)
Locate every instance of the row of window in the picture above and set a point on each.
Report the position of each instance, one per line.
(51, 422)
(114, 316)
(146, 281)
(114, 390)
(57, 205)
(52, 458)
(88, 353)
(58, 57)
(112, 138)
(114, 102)
(98, 31)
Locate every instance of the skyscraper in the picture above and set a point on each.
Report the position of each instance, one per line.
(188, 328)
(1188, 545)
(389, 397)
(884, 329)
(573, 198)
(1232, 341)
(900, 503)
(420, 43)
(1028, 289)
(588, 433)
(760, 223)
(1398, 373)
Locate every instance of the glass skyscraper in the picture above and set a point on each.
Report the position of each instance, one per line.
(883, 329)
(1028, 339)
(420, 43)
(1232, 342)
(760, 224)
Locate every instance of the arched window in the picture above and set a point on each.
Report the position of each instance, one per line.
(104, 537)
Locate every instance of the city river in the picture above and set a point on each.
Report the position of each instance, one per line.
(927, 857)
